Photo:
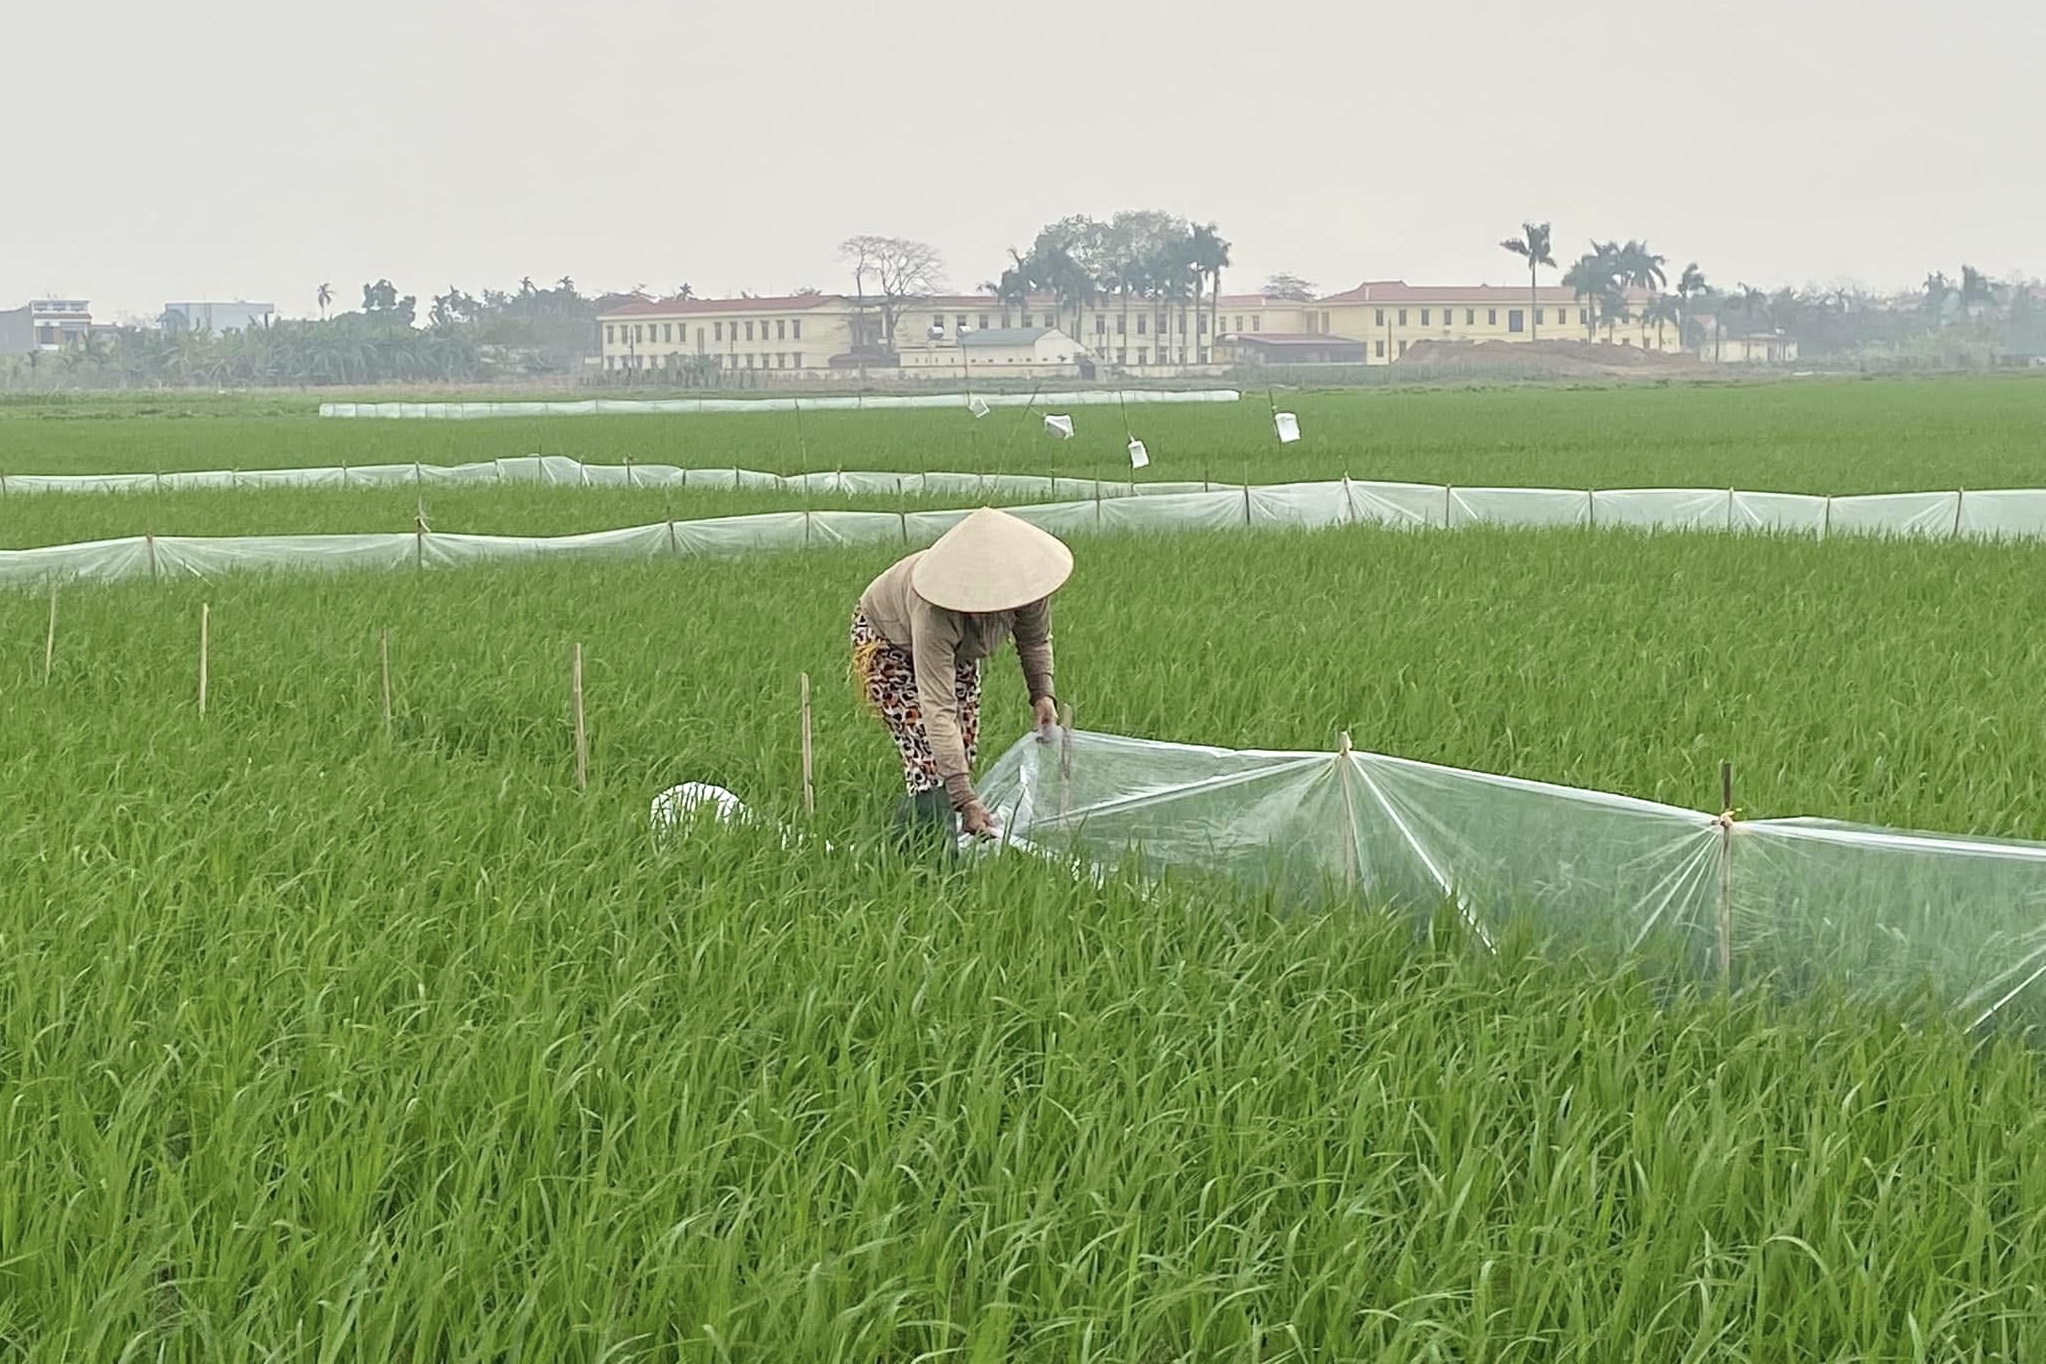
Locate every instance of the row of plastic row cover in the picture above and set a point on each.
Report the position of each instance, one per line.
(2020, 513)
(610, 407)
(2000, 512)
(1808, 901)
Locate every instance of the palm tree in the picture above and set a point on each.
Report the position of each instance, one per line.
(1692, 289)
(1209, 255)
(1592, 278)
(1532, 243)
(1666, 309)
(325, 296)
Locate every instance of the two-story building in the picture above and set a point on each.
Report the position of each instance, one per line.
(813, 335)
(46, 324)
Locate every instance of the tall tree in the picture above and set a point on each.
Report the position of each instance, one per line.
(1290, 287)
(1209, 256)
(324, 296)
(902, 269)
(1692, 290)
(1533, 245)
(1593, 278)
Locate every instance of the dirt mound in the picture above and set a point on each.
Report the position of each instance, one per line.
(1548, 359)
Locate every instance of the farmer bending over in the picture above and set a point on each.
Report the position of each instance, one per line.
(919, 634)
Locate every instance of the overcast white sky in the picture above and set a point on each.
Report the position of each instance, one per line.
(174, 149)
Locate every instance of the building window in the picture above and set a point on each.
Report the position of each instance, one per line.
(938, 323)
(1403, 317)
(1381, 350)
(1122, 357)
(1381, 317)
(1100, 325)
(1239, 322)
(1182, 324)
(1257, 322)
(749, 331)
(1142, 322)
(1470, 317)
(1143, 352)
(635, 334)
(610, 362)
(960, 321)
(781, 330)
(1516, 320)
(1403, 348)
(1424, 317)
(1201, 325)
(798, 358)
(1491, 317)
(1584, 317)
(1538, 317)
(717, 331)
(667, 331)
(983, 321)
(699, 338)
(1122, 325)
(610, 334)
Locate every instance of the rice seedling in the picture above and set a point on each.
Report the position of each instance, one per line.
(321, 1039)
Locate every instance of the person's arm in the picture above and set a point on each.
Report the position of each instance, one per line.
(935, 654)
(1033, 649)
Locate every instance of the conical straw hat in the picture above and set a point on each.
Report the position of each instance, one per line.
(990, 562)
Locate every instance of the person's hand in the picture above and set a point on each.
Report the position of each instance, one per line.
(1045, 713)
(976, 819)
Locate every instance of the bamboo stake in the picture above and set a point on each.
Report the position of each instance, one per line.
(582, 745)
(384, 648)
(809, 764)
(50, 640)
(205, 643)
(1726, 876)
(1349, 812)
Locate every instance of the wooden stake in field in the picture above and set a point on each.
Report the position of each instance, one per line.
(1726, 876)
(384, 650)
(809, 756)
(582, 744)
(205, 641)
(1343, 766)
(50, 639)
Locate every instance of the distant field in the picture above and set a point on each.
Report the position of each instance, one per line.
(1819, 436)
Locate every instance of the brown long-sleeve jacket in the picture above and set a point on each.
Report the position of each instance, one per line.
(938, 641)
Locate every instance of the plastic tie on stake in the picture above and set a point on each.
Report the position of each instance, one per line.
(1060, 426)
(978, 407)
(1288, 427)
(1139, 456)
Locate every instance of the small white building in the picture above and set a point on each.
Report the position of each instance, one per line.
(1020, 352)
(1761, 348)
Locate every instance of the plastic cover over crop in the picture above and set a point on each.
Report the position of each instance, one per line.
(1796, 901)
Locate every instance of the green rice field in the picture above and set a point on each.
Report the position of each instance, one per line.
(326, 1039)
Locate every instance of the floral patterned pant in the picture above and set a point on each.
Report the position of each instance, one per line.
(886, 676)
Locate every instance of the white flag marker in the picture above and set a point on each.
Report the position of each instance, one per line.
(1139, 456)
(1289, 427)
(978, 407)
(1062, 427)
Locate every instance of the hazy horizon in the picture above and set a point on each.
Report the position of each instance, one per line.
(237, 150)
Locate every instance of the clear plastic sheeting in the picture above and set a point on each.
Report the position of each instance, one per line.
(2010, 513)
(613, 407)
(1164, 507)
(1797, 902)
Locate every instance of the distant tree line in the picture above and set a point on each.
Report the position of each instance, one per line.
(1141, 259)
(524, 331)
(1974, 319)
